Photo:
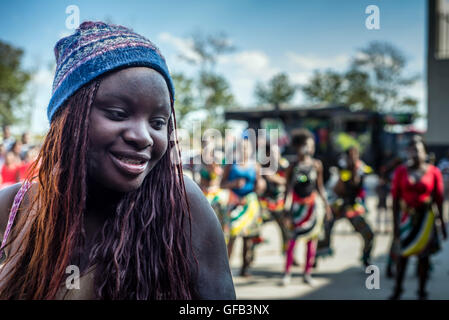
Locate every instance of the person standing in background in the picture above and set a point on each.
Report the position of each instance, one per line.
(351, 199)
(9, 171)
(17, 150)
(26, 144)
(272, 200)
(417, 192)
(8, 140)
(243, 178)
(304, 183)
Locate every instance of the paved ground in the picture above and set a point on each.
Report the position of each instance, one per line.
(338, 277)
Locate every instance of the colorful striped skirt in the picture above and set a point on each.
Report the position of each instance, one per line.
(418, 233)
(306, 220)
(245, 216)
(219, 200)
(342, 209)
(270, 206)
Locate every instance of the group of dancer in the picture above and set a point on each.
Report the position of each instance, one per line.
(244, 199)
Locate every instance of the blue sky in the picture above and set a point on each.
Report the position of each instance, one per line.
(270, 36)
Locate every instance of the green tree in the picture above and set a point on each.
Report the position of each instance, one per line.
(385, 64)
(357, 90)
(185, 100)
(213, 94)
(216, 97)
(13, 82)
(207, 48)
(325, 86)
(277, 91)
(375, 81)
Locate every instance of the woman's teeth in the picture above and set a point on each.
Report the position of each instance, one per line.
(130, 161)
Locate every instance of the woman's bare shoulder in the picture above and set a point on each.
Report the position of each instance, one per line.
(6, 200)
(199, 206)
(214, 279)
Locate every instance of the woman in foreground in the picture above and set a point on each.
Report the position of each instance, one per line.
(110, 198)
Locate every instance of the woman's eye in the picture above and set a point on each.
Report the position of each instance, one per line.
(158, 124)
(116, 114)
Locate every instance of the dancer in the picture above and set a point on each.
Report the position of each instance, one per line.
(210, 177)
(417, 192)
(110, 199)
(244, 213)
(304, 184)
(272, 200)
(350, 203)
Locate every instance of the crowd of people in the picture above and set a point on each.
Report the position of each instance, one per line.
(244, 199)
(16, 157)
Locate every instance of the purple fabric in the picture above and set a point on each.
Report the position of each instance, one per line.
(12, 214)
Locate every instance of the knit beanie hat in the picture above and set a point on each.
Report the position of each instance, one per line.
(96, 48)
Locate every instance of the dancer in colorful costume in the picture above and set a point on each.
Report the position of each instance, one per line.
(417, 192)
(304, 184)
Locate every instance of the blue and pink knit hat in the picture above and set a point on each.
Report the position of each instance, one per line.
(96, 48)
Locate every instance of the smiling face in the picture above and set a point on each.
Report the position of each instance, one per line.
(128, 129)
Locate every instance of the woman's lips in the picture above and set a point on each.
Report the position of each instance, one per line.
(127, 167)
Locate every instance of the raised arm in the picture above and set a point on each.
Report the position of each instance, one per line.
(213, 279)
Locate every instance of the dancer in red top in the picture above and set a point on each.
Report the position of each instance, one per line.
(417, 201)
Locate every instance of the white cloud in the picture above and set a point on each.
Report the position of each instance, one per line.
(309, 62)
(244, 69)
(40, 87)
(43, 77)
(253, 63)
(182, 45)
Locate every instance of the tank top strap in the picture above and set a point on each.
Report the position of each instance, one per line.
(13, 212)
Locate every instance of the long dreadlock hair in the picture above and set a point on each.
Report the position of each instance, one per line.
(144, 250)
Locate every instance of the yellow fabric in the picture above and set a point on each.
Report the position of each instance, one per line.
(249, 218)
(422, 239)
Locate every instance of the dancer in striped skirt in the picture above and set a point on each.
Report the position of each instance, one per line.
(417, 202)
(218, 198)
(304, 184)
(350, 203)
(244, 214)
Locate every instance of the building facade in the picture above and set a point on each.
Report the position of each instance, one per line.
(437, 136)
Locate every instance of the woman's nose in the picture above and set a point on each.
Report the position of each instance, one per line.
(138, 134)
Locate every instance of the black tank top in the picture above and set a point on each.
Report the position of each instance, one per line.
(304, 180)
